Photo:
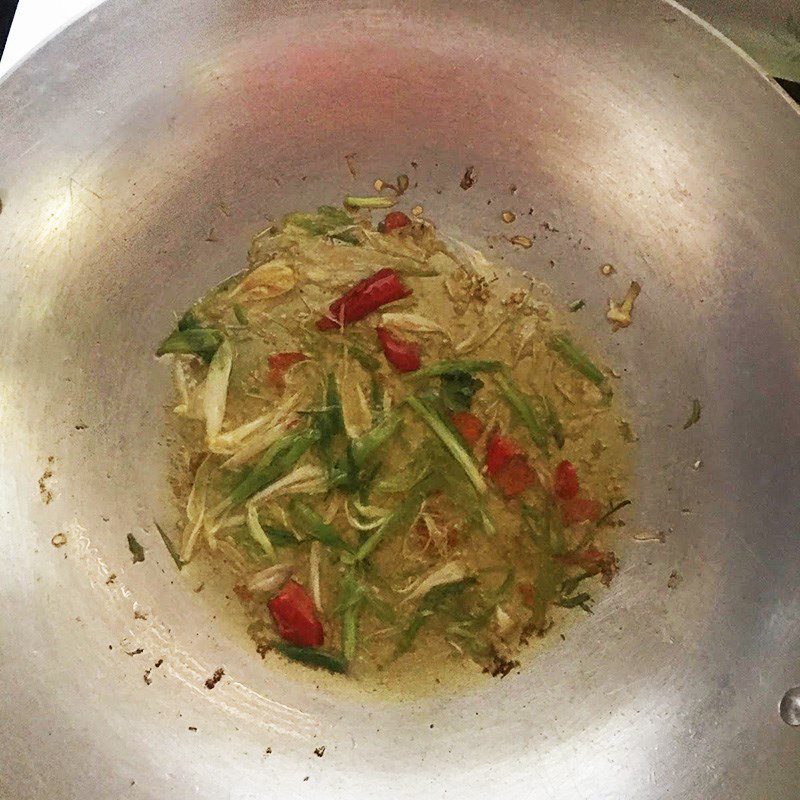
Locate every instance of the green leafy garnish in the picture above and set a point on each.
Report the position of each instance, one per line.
(310, 523)
(312, 657)
(458, 389)
(352, 595)
(373, 440)
(329, 420)
(530, 417)
(546, 529)
(189, 320)
(137, 551)
(276, 462)
(369, 202)
(449, 366)
(578, 601)
(326, 220)
(280, 537)
(168, 544)
(449, 439)
(694, 414)
(203, 342)
(571, 354)
(370, 363)
(434, 600)
(569, 585)
(355, 470)
(240, 314)
(401, 518)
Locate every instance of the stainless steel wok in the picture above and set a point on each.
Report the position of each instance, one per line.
(141, 148)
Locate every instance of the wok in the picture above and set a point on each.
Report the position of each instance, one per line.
(140, 150)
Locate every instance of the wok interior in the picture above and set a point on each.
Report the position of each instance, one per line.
(134, 193)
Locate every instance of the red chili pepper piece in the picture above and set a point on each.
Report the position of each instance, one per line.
(468, 425)
(385, 286)
(499, 451)
(279, 364)
(508, 467)
(593, 561)
(402, 355)
(395, 220)
(515, 476)
(565, 481)
(295, 616)
(580, 509)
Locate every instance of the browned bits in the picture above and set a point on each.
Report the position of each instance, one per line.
(521, 241)
(468, 181)
(215, 678)
(59, 540)
(508, 216)
(44, 490)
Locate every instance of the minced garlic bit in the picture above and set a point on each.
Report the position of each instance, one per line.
(620, 314)
(379, 185)
(522, 241)
(417, 211)
(606, 269)
(509, 216)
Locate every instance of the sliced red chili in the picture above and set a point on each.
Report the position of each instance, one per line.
(395, 220)
(500, 449)
(468, 425)
(402, 355)
(565, 481)
(515, 476)
(295, 616)
(368, 295)
(279, 364)
(577, 510)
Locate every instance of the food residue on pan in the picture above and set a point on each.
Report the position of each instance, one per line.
(694, 417)
(44, 490)
(137, 551)
(215, 678)
(521, 241)
(391, 447)
(620, 315)
(469, 178)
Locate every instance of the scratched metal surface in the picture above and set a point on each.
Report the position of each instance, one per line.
(644, 140)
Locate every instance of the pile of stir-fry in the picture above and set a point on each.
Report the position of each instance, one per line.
(393, 451)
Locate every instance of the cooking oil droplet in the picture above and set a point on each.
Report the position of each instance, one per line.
(790, 707)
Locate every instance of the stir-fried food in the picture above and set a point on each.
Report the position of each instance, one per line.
(395, 453)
